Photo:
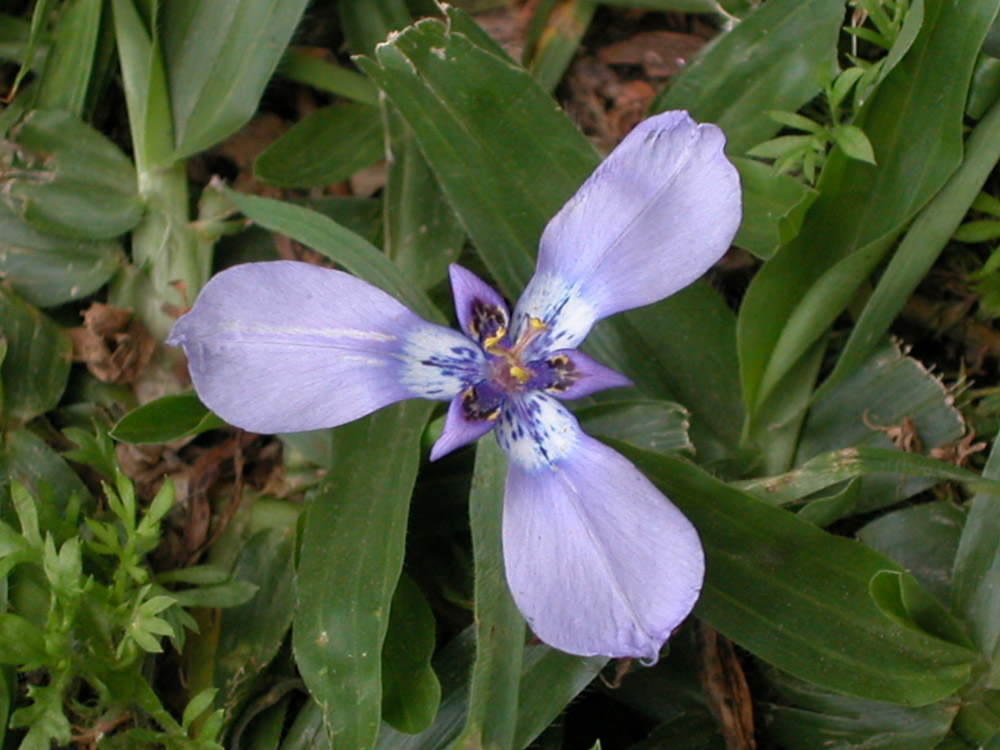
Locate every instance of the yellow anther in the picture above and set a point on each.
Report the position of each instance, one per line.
(496, 338)
(494, 415)
(519, 373)
(536, 323)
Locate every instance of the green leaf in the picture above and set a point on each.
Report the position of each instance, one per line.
(75, 181)
(36, 367)
(783, 145)
(367, 23)
(251, 634)
(863, 206)
(26, 458)
(838, 466)
(69, 66)
(351, 557)
(327, 146)
(810, 717)
(422, 233)
(39, 22)
(777, 58)
(21, 642)
(975, 593)
(983, 230)
(559, 39)
(411, 692)
(797, 121)
(923, 243)
(770, 575)
(48, 269)
(219, 57)
(166, 419)
(659, 426)
(923, 539)
(340, 245)
(774, 206)
(305, 68)
(229, 594)
(854, 142)
(197, 706)
(145, 88)
(493, 698)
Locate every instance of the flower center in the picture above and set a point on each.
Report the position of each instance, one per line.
(507, 369)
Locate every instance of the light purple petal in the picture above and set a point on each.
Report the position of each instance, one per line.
(588, 376)
(478, 305)
(286, 346)
(459, 430)
(598, 560)
(653, 217)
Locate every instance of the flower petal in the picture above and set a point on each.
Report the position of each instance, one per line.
(460, 428)
(653, 217)
(480, 309)
(598, 560)
(570, 374)
(286, 346)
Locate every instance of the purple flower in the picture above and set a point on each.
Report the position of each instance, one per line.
(598, 560)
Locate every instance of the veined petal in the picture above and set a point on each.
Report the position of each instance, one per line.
(653, 217)
(287, 346)
(480, 309)
(570, 374)
(597, 559)
(462, 425)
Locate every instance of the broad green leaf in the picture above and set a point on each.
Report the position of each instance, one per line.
(218, 58)
(165, 419)
(798, 597)
(36, 366)
(325, 147)
(777, 58)
(411, 692)
(810, 717)
(923, 539)
(48, 269)
(975, 593)
(251, 634)
(500, 631)
(422, 234)
(69, 67)
(350, 560)
(658, 426)
(340, 245)
(923, 243)
(73, 180)
(774, 206)
(860, 205)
